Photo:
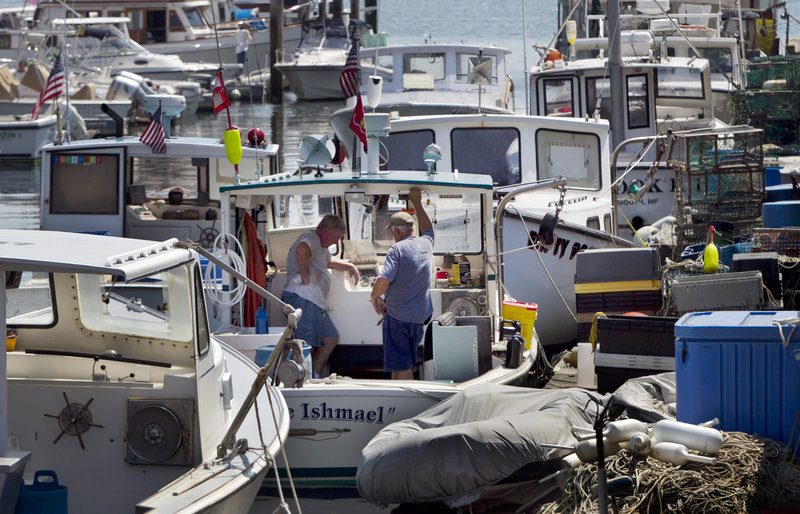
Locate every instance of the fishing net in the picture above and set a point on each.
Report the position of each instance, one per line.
(752, 474)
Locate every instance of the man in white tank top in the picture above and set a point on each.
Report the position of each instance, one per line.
(308, 283)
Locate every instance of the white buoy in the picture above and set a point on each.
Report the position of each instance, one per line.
(703, 439)
(640, 444)
(676, 454)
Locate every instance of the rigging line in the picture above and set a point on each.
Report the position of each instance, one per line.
(538, 255)
(639, 156)
(283, 450)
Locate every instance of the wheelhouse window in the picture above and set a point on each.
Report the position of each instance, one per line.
(429, 63)
(203, 338)
(153, 307)
(572, 155)
(488, 151)
(598, 88)
(196, 17)
(558, 97)
(456, 221)
(175, 23)
(679, 82)
(70, 173)
(466, 62)
(637, 101)
(404, 149)
(29, 299)
(297, 211)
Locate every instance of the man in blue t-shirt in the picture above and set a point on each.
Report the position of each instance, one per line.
(405, 282)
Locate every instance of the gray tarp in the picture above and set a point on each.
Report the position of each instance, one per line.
(472, 440)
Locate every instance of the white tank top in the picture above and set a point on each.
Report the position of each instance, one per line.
(316, 291)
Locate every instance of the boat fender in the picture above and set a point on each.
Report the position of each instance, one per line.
(695, 437)
(640, 444)
(233, 146)
(514, 348)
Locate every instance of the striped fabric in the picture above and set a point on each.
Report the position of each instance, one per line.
(351, 76)
(52, 89)
(153, 135)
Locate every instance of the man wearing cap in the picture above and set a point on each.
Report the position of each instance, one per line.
(405, 284)
(308, 283)
(243, 37)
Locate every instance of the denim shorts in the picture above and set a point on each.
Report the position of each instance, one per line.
(400, 341)
(314, 324)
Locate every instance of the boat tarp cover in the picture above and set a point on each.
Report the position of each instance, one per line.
(472, 440)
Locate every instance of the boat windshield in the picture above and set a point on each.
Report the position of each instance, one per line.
(679, 82)
(30, 301)
(159, 306)
(456, 220)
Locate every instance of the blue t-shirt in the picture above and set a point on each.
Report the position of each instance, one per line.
(408, 268)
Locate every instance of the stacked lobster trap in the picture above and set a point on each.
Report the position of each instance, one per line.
(719, 177)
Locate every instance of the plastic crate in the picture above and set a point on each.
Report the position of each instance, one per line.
(617, 265)
(637, 335)
(732, 291)
(609, 379)
(734, 366)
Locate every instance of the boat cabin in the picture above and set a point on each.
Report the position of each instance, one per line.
(675, 94)
(459, 206)
(184, 205)
(513, 150)
(440, 68)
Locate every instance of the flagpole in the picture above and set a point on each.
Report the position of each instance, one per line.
(66, 79)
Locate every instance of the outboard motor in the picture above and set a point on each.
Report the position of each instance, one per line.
(129, 86)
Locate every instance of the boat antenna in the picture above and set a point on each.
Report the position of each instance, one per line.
(525, 57)
(232, 147)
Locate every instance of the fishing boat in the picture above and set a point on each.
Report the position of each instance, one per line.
(541, 231)
(313, 69)
(186, 28)
(21, 138)
(334, 417)
(429, 79)
(658, 96)
(115, 386)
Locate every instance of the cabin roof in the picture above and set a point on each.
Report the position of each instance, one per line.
(68, 252)
(177, 147)
(337, 183)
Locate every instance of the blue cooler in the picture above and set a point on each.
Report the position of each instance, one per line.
(265, 350)
(732, 365)
(43, 496)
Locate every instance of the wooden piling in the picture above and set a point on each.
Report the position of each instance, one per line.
(371, 14)
(354, 9)
(275, 46)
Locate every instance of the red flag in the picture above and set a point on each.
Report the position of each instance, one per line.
(357, 122)
(153, 135)
(219, 98)
(51, 89)
(349, 82)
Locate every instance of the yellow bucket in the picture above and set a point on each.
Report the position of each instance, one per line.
(11, 342)
(523, 312)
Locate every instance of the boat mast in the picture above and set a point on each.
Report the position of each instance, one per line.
(617, 93)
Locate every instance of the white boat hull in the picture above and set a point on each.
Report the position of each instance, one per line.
(527, 281)
(24, 139)
(313, 82)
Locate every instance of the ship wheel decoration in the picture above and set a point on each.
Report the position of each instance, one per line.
(74, 419)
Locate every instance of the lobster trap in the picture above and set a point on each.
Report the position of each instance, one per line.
(719, 176)
(776, 71)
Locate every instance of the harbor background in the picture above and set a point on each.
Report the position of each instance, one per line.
(406, 21)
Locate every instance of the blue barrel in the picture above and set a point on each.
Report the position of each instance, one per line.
(781, 214)
(43, 496)
(265, 350)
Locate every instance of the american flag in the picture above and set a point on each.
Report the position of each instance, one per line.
(153, 136)
(351, 75)
(52, 87)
